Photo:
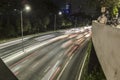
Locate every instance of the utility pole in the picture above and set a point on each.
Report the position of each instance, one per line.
(27, 8)
(55, 22)
(21, 12)
(75, 22)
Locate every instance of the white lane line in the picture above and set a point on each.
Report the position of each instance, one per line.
(60, 55)
(66, 44)
(15, 69)
(82, 67)
(64, 68)
(51, 71)
(47, 69)
(41, 38)
(80, 36)
(3, 45)
(21, 53)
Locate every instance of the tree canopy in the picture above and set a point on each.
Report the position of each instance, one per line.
(36, 20)
(110, 3)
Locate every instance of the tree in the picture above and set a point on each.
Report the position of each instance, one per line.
(115, 11)
(8, 27)
(112, 5)
(35, 21)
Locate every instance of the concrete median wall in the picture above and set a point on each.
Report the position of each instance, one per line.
(106, 40)
(5, 73)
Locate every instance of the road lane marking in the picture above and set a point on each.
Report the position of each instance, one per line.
(11, 58)
(66, 64)
(41, 38)
(64, 68)
(66, 44)
(47, 69)
(10, 43)
(54, 74)
(51, 71)
(82, 67)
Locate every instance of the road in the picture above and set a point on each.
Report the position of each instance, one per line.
(17, 46)
(55, 56)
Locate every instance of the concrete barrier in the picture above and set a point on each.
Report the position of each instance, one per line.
(5, 73)
(106, 40)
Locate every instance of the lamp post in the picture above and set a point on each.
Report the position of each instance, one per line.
(55, 22)
(27, 8)
(55, 19)
(21, 18)
(75, 22)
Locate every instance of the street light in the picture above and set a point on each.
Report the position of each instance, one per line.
(27, 8)
(59, 13)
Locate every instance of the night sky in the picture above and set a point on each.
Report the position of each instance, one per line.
(75, 3)
(61, 3)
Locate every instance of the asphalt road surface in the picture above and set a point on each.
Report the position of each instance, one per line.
(55, 56)
(16, 46)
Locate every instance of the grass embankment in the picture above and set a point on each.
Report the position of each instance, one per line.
(92, 69)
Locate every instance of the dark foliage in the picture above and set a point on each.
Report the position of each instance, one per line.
(37, 20)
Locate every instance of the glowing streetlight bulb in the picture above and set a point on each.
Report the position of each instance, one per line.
(60, 13)
(27, 8)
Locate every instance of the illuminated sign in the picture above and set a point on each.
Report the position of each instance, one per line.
(67, 9)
